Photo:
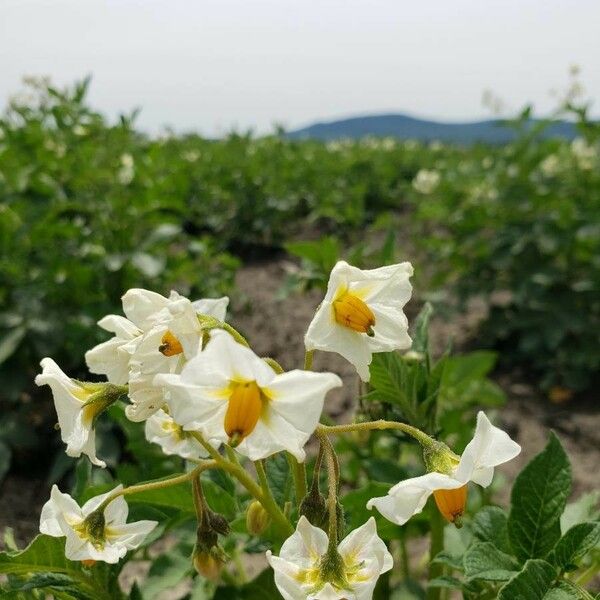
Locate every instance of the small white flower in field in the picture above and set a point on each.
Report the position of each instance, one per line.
(550, 166)
(161, 429)
(584, 153)
(298, 574)
(362, 314)
(127, 170)
(91, 534)
(77, 406)
(449, 475)
(231, 395)
(426, 181)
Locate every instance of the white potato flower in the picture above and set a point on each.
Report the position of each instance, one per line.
(489, 448)
(231, 395)
(91, 534)
(77, 405)
(426, 181)
(157, 335)
(297, 568)
(362, 314)
(161, 429)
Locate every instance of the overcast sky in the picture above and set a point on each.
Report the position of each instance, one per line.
(210, 65)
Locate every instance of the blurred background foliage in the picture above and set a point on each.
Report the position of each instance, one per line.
(89, 209)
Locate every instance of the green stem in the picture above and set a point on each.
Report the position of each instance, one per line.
(436, 545)
(417, 434)
(237, 336)
(273, 364)
(237, 471)
(160, 484)
(404, 557)
(308, 360)
(299, 471)
(332, 482)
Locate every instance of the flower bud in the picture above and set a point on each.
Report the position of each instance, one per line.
(313, 507)
(218, 523)
(257, 518)
(209, 563)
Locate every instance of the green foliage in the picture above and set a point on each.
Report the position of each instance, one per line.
(522, 556)
(539, 497)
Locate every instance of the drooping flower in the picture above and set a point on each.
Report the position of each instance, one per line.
(92, 534)
(449, 475)
(298, 572)
(77, 404)
(231, 395)
(161, 429)
(362, 314)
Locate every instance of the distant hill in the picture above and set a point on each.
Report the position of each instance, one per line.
(403, 126)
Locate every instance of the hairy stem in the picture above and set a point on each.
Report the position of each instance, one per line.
(436, 545)
(299, 471)
(237, 471)
(417, 434)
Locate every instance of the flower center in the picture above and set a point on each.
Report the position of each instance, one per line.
(451, 503)
(243, 412)
(92, 528)
(352, 312)
(170, 345)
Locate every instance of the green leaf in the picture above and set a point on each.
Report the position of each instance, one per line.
(566, 591)
(279, 477)
(355, 509)
(531, 583)
(168, 570)
(261, 588)
(538, 499)
(575, 544)
(484, 561)
(44, 554)
(490, 524)
(445, 581)
(583, 509)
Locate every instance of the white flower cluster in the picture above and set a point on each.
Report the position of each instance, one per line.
(188, 377)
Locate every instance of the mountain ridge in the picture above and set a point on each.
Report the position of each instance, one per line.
(401, 125)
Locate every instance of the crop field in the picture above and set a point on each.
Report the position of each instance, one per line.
(502, 310)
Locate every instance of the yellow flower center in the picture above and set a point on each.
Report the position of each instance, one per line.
(451, 503)
(170, 345)
(243, 412)
(352, 312)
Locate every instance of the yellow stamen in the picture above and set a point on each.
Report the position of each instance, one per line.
(170, 345)
(452, 503)
(352, 312)
(243, 412)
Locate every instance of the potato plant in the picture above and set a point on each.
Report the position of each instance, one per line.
(245, 463)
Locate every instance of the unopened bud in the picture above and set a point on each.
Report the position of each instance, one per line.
(257, 518)
(209, 562)
(313, 508)
(218, 523)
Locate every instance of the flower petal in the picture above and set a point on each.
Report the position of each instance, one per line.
(214, 307)
(408, 497)
(364, 543)
(142, 306)
(58, 512)
(286, 578)
(489, 448)
(131, 535)
(305, 545)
